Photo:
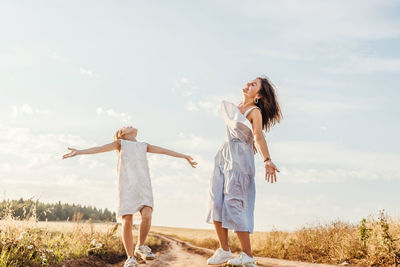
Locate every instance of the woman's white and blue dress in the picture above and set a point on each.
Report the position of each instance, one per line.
(134, 184)
(232, 187)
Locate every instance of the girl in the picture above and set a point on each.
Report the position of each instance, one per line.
(134, 186)
(232, 189)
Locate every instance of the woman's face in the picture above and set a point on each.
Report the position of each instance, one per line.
(252, 88)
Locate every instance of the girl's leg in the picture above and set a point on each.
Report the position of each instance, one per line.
(244, 238)
(222, 234)
(127, 235)
(144, 229)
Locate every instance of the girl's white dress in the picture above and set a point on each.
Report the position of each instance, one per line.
(134, 184)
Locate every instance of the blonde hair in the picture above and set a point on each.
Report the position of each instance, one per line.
(118, 135)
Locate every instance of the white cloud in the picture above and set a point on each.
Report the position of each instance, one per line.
(33, 151)
(211, 103)
(366, 64)
(185, 87)
(319, 83)
(321, 107)
(303, 162)
(308, 205)
(191, 106)
(197, 103)
(59, 58)
(86, 72)
(283, 54)
(276, 211)
(65, 188)
(15, 60)
(196, 143)
(122, 116)
(27, 110)
(31, 165)
(325, 21)
(313, 175)
(319, 98)
(325, 32)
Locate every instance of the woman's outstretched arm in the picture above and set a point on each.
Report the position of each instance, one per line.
(93, 150)
(261, 143)
(161, 150)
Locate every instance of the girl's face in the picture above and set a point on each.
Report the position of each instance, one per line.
(252, 88)
(129, 131)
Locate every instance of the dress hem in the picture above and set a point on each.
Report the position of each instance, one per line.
(122, 213)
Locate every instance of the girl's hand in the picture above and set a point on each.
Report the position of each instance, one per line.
(191, 161)
(71, 154)
(270, 171)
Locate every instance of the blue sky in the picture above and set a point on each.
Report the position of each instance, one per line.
(71, 73)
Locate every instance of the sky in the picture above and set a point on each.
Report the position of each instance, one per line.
(73, 72)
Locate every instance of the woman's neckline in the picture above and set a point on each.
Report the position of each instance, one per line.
(245, 110)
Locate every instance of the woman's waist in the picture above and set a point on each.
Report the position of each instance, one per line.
(238, 141)
(236, 155)
(237, 144)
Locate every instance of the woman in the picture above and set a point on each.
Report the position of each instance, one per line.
(232, 188)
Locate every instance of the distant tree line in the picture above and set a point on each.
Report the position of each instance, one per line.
(24, 209)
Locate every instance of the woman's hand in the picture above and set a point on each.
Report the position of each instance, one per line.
(270, 171)
(191, 161)
(71, 154)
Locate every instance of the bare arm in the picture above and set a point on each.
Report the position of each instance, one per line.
(262, 146)
(161, 150)
(93, 150)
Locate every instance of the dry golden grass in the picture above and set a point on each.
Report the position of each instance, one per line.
(374, 242)
(31, 243)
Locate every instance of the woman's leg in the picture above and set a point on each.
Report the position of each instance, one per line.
(145, 225)
(127, 235)
(244, 238)
(222, 234)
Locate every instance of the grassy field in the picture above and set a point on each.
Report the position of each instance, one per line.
(31, 243)
(373, 242)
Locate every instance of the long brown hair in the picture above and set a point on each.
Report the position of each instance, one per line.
(268, 104)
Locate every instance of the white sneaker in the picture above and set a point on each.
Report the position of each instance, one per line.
(220, 256)
(144, 252)
(242, 259)
(131, 262)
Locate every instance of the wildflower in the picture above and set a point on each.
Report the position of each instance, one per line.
(44, 259)
(22, 235)
(96, 244)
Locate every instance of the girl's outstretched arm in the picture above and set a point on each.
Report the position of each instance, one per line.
(161, 150)
(93, 150)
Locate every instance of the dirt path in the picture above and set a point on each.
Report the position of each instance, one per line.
(179, 253)
(175, 254)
